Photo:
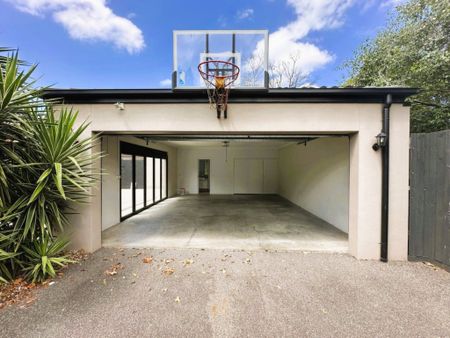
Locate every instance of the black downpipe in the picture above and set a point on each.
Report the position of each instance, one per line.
(385, 181)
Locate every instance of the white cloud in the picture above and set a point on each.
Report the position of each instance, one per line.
(379, 4)
(88, 20)
(286, 42)
(309, 85)
(165, 83)
(245, 13)
(391, 3)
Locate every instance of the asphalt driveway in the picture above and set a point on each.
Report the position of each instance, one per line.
(215, 293)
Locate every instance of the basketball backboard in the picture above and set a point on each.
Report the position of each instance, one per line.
(248, 49)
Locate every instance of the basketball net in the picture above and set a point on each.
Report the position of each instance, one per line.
(218, 77)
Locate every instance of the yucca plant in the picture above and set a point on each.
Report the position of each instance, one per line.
(53, 170)
(17, 96)
(43, 257)
(5, 257)
(45, 164)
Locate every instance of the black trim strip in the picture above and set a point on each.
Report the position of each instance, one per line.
(296, 95)
(123, 218)
(133, 149)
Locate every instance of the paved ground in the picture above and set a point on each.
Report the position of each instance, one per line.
(227, 222)
(237, 294)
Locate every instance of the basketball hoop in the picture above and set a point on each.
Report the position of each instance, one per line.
(218, 76)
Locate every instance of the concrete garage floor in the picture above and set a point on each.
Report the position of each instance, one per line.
(248, 222)
(225, 293)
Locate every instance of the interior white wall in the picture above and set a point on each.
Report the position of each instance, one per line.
(111, 174)
(222, 170)
(316, 177)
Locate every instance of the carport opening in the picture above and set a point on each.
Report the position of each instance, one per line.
(226, 191)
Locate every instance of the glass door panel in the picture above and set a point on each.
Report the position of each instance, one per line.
(149, 180)
(139, 182)
(126, 184)
(157, 179)
(164, 178)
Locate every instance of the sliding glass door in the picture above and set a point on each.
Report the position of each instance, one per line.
(163, 178)
(139, 181)
(157, 179)
(149, 185)
(126, 184)
(143, 178)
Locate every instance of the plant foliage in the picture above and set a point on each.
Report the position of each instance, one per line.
(414, 51)
(43, 257)
(45, 164)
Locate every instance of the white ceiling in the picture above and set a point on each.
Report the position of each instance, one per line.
(232, 143)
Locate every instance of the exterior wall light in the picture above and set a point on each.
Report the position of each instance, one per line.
(381, 141)
(120, 105)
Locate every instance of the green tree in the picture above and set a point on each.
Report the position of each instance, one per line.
(414, 51)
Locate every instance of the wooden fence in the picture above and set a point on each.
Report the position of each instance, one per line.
(429, 209)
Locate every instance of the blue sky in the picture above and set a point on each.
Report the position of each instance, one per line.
(128, 44)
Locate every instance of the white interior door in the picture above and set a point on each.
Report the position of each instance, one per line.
(248, 176)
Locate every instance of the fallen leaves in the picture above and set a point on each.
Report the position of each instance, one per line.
(78, 255)
(431, 265)
(187, 262)
(136, 255)
(147, 260)
(113, 270)
(168, 271)
(17, 291)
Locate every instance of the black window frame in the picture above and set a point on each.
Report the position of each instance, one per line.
(136, 150)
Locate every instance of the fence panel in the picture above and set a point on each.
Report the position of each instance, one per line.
(429, 210)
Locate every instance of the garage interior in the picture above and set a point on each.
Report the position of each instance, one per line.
(250, 192)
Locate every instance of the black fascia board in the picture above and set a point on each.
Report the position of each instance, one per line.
(291, 95)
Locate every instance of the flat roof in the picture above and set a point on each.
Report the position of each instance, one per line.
(275, 95)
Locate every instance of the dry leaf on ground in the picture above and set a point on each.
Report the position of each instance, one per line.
(114, 269)
(17, 291)
(78, 255)
(431, 265)
(147, 260)
(187, 262)
(168, 271)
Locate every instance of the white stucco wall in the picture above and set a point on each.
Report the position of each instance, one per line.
(222, 170)
(316, 177)
(361, 121)
(110, 187)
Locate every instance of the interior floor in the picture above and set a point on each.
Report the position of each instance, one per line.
(245, 222)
